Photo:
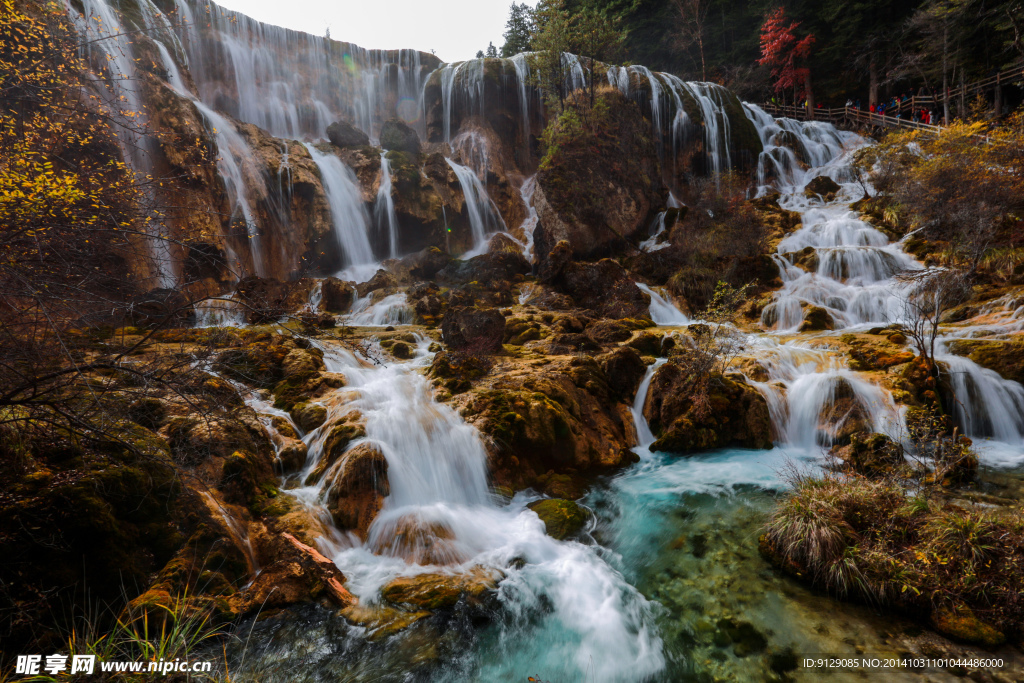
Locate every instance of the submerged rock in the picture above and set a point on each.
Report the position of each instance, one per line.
(417, 541)
(817, 318)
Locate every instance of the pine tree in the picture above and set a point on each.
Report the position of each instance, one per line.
(479, 54)
(519, 29)
(491, 50)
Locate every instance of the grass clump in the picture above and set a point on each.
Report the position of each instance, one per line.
(869, 540)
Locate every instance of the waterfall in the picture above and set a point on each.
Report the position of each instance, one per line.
(349, 217)
(564, 593)
(236, 164)
(644, 436)
(663, 311)
(384, 207)
(522, 68)
(105, 40)
(985, 405)
(391, 310)
(484, 218)
(462, 84)
(655, 231)
(529, 223)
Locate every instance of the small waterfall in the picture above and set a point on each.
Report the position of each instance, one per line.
(384, 208)
(391, 310)
(484, 218)
(529, 223)
(462, 85)
(235, 163)
(470, 148)
(644, 435)
(656, 229)
(521, 64)
(985, 405)
(663, 311)
(348, 212)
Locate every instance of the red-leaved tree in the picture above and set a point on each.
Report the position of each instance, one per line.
(783, 51)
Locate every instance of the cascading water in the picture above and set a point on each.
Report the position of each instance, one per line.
(484, 218)
(105, 40)
(573, 617)
(349, 217)
(663, 311)
(529, 223)
(384, 209)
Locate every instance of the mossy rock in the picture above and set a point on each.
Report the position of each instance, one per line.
(823, 187)
(439, 591)
(817, 318)
(308, 416)
(1005, 357)
(961, 624)
(561, 518)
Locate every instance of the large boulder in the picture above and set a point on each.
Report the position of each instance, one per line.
(843, 415)
(598, 190)
(737, 414)
(823, 187)
(344, 134)
(604, 287)
(473, 329)
(358, 487)
(561, 517)
(438, 591)
(398, 136)
(336, 296)
(164, 307)
(265, 300)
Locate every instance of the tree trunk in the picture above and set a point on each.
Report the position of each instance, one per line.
(872, 82)
(945, 76)
(998, 97)
(963, 96)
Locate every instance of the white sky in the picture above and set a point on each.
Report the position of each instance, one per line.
(454, 29)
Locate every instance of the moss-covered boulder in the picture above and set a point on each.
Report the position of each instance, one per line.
(561, 518)
(873, 455)
(736, 413)
(960, 623)
(358, 485)
(308, 416)
(817, 318)
(344, 134)
(439, 591)
(475, 329)
(398, 136)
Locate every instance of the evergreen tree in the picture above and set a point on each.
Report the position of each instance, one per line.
(599, 39)
(491, 50)
(552, 38)
(479, 54)
(518, 30)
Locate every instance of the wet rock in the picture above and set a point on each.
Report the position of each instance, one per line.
(291, 456)
(473, 329)
(425, 264)
(299, 574)
(301, 362)
(308, 416)
(494, 270)
(382, 279)
(648, 343)
(842, 415)
(737, 413)
(561, 518)
(873, 455)
(344, 134)
(397, 136)
(609, 331)
(417, 541)
(438, 591)
(817, 318)
(502, 243)
(401, 350)
(336, 295)
(518, 331)
(823, 187)
(381, 621)
(358, 487)
(582, 198)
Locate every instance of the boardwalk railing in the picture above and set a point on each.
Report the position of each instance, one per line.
(904, 109)
(840, 115)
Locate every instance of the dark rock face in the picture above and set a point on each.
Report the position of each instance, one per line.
(166, 307)
(625, 370)
(604, 287)
(396, 136)
(336, 295)
(823, 187)
(843, 416)
(738, 414)
(473, 328)
(266, 300)
(343, 134)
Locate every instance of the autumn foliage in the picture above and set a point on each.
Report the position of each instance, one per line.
(782, 51)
